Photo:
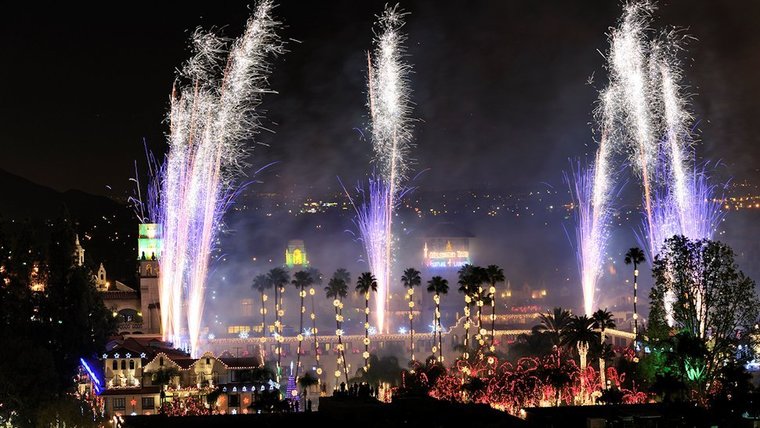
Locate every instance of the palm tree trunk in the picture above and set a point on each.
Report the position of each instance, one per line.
(263, 316)
(277, 325)
(300, 333)
(493, 319)
(466, 330)
(438, 318)
(341, 353)
(366, 331)
(314, 334)
(480, 320)
(411, 327)
(635, 314)
(279, 332)
(602, 363)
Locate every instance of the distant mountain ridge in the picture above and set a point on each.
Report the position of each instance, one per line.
(22, 198)
(107, 229)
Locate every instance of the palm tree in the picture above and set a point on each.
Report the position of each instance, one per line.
(438, 286)
(635, 256)
(305, 382)
(316, 278)
(337, 289)
(278, 277)
(301, 280)
(602, 320)
(364, 285)
(555, 323)
(579, 333)
(494, 274)
(479, 278)
(261, 283)
(410, 279)
(467, 287)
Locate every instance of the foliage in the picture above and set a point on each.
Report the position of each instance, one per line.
(337, 286)
(164, 376)
(366, 283)
(381, 369)
(44, 333)
(554, 324)
(714, 305)
(307, 380)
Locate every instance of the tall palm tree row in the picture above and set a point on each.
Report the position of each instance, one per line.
(337, 289)
(410, 279)
(278, 277)
(467, 287)
(495, 274)
(635, 256)
(438, 286)
(316, 277)
(301, 280)
(261, 284)
(364, 285)
(602, 320)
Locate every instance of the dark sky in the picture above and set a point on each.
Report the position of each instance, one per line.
(500, 86)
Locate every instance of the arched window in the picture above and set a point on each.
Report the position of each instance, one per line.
(131, 364)
(161, 361)
(123, 364)
(208, 361)
(149, 270)
(115, 365)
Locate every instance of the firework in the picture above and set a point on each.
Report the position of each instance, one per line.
(628, 69)
(593, 190)
(372, 221)
(389, 107)
(211, 120)
(653, 119)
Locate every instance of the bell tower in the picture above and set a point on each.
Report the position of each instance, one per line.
(149, 255)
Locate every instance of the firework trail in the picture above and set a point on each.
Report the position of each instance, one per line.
(389, 106)
(654, 118)
(628, 69)
(592, 190)
(372, 222)
(211, 120)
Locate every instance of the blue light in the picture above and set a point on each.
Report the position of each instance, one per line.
(96, 381)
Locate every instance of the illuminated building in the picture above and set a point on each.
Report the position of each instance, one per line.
(136, 375)
(295, 254)
(446, 247)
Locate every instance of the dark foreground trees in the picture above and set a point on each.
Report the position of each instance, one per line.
(51, 316)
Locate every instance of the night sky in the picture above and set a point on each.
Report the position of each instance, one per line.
(500, 87)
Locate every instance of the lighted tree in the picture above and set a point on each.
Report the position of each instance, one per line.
(411, 278)
(635, 257)
(278, 277)
(365, 284)
(479, 278)
(467, 286)
(715, 302)
(602, 320)
(337, 289)
(494, 274)
(579, 330)
(301, 280)
(316, 277)
(261, 283)
(438, 286)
